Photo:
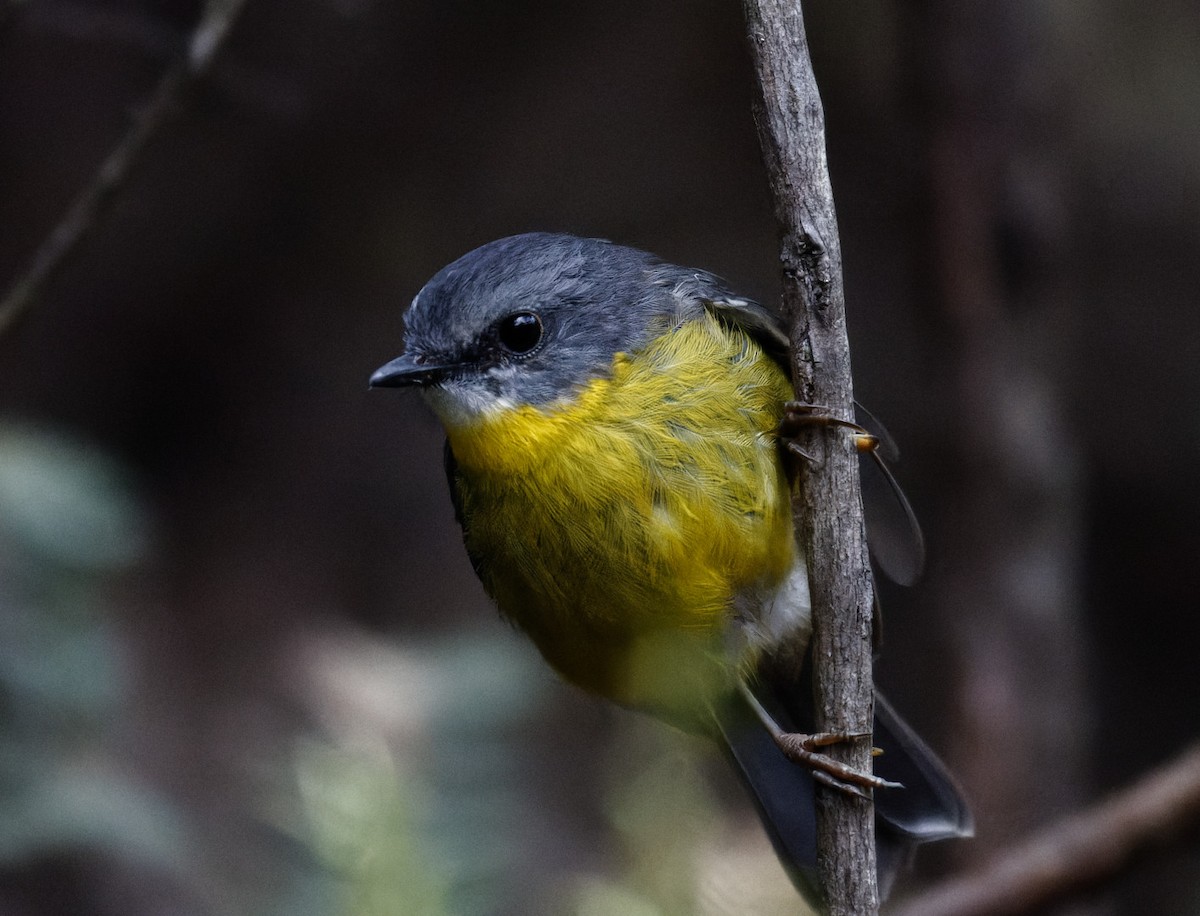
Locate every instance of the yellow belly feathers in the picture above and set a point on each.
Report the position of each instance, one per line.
(617, 528)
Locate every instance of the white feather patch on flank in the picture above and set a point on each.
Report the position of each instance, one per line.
(784, 614)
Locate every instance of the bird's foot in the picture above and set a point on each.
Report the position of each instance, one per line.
(798, 416)
(802, 749)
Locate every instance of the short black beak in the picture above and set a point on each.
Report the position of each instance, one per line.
(405, 371)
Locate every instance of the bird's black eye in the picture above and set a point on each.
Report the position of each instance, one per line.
(520, 333)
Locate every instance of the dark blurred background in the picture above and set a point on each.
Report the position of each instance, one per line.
(244, 665)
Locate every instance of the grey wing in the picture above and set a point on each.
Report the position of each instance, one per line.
(696, 289)
(756, 320)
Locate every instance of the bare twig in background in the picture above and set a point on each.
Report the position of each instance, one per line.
(206, 40)
(792, 134)
(1077, 852)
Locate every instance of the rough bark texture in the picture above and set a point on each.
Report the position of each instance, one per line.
(829, 507)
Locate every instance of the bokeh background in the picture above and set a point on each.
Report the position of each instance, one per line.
(244, 665)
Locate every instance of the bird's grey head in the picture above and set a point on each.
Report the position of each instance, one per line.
(531, 318)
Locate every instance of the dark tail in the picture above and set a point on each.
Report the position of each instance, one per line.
(929, 807)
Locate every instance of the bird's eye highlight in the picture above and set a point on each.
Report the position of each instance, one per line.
(520, 333)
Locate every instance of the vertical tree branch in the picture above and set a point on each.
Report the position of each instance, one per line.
(829, 507)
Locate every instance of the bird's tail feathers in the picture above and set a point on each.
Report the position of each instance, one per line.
(929, 807)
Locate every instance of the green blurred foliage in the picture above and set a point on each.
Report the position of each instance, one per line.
(420, 813)
(406, 796)
(69, 524)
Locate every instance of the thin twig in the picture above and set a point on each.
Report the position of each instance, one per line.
(829, 506)
(205, 42)
(1077, 852)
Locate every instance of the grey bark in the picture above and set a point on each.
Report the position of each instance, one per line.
(828, 505)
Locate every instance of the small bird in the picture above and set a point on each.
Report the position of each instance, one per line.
(615, 460)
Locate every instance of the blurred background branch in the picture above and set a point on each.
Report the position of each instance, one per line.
(999, 292)
(216, 19)
(1078, 853)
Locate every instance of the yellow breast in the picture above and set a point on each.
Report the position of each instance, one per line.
(618, 527)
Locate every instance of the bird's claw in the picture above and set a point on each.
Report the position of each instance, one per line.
(801, 749)
(798, 416)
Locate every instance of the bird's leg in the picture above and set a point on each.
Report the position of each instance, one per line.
(802, 749)
(797, 416)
